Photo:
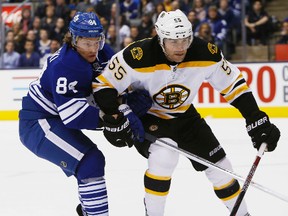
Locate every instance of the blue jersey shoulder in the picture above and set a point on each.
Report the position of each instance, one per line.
(67, 68)
(66, 59)
(62, 90)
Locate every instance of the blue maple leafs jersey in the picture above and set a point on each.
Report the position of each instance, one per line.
(64, 89)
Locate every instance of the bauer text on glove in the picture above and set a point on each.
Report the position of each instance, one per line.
(261, 130)
(117, 130)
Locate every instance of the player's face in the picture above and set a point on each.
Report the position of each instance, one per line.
(176, 49)
(88, 48)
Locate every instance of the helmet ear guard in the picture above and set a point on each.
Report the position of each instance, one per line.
(173, 25)
(86, 24)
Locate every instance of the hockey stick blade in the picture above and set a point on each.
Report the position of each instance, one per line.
(205, 162)
(248, 179)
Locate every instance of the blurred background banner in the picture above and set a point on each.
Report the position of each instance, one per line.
(268, 81)
(251, 34)
(12, 12)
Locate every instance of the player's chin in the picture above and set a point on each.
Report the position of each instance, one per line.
(91, 59)
(178, 57)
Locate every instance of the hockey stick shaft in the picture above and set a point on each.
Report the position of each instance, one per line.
(248, 179)
(205, 162)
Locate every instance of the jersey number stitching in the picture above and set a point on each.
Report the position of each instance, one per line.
(62, 86)
(119, 71)
(225, 67)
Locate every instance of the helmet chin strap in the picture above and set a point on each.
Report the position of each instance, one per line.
(74, 40)
(163, 49)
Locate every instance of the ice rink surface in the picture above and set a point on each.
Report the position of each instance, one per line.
(31, 186)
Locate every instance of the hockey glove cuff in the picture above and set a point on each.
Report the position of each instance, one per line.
(135, 123)
(261, 130)
(117, 131)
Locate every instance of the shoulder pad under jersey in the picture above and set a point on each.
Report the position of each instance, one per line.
(201, 50)
(143, 53)
(68, 58)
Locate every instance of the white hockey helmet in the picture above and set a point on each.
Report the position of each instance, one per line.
(173, 25)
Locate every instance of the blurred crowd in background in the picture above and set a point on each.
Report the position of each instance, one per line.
(40, 31)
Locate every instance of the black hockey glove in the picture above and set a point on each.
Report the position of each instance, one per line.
(118, 131)
(261, 130)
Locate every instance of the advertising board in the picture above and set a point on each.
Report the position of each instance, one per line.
(268, 81)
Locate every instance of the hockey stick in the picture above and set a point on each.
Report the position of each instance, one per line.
(248, 179)
(205, 162)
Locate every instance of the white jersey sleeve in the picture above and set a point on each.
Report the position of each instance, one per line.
(228, 80)
(117, 74)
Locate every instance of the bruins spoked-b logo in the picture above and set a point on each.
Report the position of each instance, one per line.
(137, 53)
(172, 96)
(212, 48)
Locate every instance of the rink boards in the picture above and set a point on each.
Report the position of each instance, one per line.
(268, 81)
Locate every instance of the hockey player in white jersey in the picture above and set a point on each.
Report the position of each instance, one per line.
(171, 67)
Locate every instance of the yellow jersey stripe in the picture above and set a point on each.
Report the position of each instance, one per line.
(103, 82)
(225, 91)
(196, 64)
(181, 65)
(236, 92)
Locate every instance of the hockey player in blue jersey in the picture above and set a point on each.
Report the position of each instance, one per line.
(57, 107)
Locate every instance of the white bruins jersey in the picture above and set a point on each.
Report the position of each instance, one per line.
(143, 65)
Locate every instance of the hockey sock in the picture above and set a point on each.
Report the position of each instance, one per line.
(226, 188)
(228, 194)
(93, 197)
(157, 189)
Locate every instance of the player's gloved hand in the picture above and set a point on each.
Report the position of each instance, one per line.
(261, 130)
(139, 101)
(117, 131)
(135, 123)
